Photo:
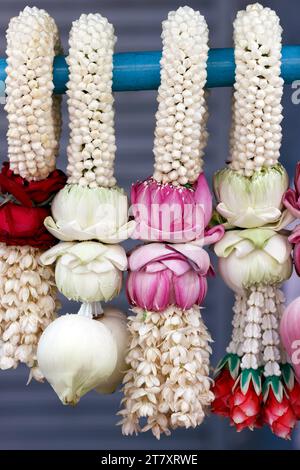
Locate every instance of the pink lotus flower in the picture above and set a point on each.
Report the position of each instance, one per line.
(290, 334)
(167, 213)
(294, 238)
(291, 198)
(161, 275)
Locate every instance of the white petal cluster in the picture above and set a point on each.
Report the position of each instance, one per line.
(257, 110)
(28, 305)
(252, 328)
(180, 134)
(237, 337)
(168, 378)
(91, 151)
(273, 305)
(33, 114)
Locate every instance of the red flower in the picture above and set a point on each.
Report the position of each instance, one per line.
(245, 408)
(29, 193)
(222, 390)
(279, 415)
(22, 222)
(294, 396)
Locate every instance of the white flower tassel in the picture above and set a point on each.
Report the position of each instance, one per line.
(167, 381)
(27, 288)
(180, 134)
(91, 150)
(257, 109)
(89, 216)
(33, 113)
(238, 322)
(274, 300)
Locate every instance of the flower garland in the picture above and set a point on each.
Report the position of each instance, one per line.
(168, 378)
(254, 384)
(89, 216)
(27, 184)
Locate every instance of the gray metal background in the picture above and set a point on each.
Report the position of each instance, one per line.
(32, 417)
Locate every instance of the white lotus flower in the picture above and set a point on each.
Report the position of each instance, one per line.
(87, 271)
(116, 321)
(249, 202)
(83, 213)
(76, 354)
(254, 256)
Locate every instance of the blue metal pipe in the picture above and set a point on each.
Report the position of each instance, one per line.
(140, 70)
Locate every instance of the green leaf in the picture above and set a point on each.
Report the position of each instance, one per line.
(245, 380)
(221, 364)
(288, 375)
(275, 383)
(232, 361)
(249, 375)
(234, 365)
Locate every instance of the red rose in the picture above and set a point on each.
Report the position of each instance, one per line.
(23, 224)
(29, 193)
(245, 408)
(222, 390)
(279, 415)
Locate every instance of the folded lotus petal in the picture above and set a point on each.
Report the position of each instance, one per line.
(154, 267)
(87, 251)
(243, 248)
(144, 231)
(227, 244)
(51, 255)
(295, 235)
(167, 213)
(155, 270)
(213, 235)
(177, 266)
(285, 219)
(254, 256)
(196, 254)
(251, 217)
(279, 248)
(117, 255)
(249, 202)
(82, 213)
(292, 202)
(296, 257)
(144, 254)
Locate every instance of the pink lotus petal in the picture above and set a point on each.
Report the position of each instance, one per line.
(291, 202)
(203, 196)
(178, 266)
(213, 235)
(297, 178)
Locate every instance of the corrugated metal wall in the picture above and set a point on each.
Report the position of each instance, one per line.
(32, 417)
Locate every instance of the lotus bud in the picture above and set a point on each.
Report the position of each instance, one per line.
(173, 214)
(253, 256)
(116, 322)
(249, 202)
(84, 213)
(290, 334)
(87, 271)
(161, 275)
(76, 354)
